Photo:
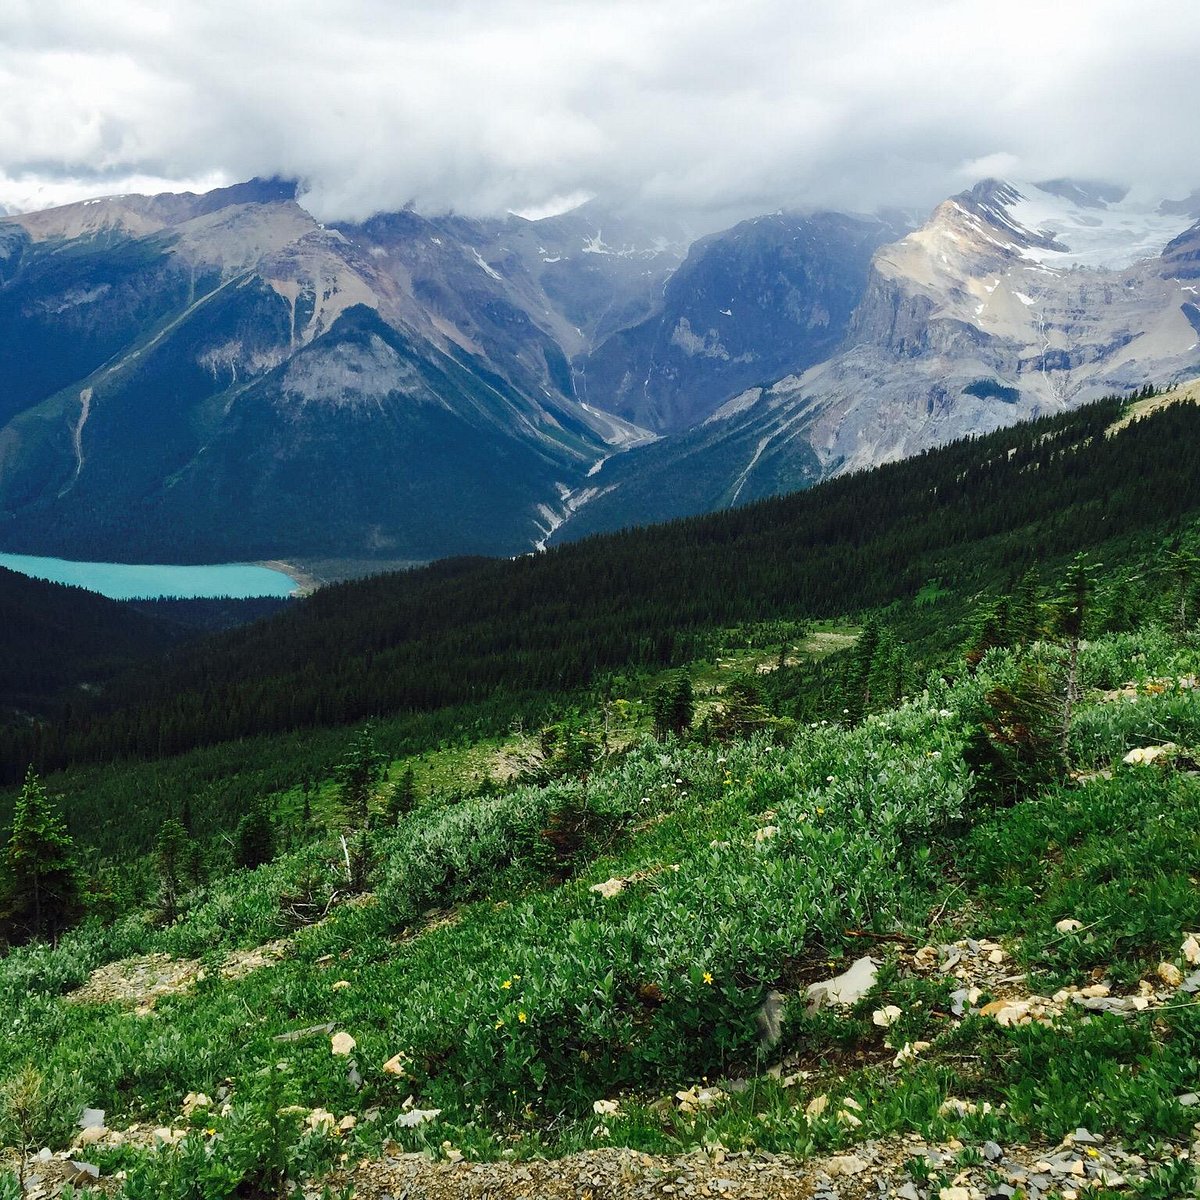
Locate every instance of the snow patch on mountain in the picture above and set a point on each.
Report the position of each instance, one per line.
(1089, 230)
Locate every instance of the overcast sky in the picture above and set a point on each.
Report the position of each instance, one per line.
(720, 108)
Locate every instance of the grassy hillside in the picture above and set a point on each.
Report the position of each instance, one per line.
(653, 801)
(622, 958)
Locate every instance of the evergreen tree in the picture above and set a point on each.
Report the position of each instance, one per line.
(402, 798)
(41, 890)
(673, 705)
(858, 688)
(683, 705)
(358, 775)
(1073, 611)
(255, 836)
(1025, 610)
(1183, 566)
(171, 862)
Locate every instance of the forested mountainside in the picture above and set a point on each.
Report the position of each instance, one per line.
(53, 638)
(975, 514)
(63, 644)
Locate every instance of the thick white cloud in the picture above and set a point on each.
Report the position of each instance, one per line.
(711, 108)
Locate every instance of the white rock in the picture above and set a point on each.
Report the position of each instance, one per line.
(342, 1043)
(609, 888)
(886, 1016)
(1191, 950)
(845, 1164)
(1143, 756)
(1068, 925)
(848, 988)
(417, 1116)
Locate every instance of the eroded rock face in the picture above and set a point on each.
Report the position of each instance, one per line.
(1010, 302)
(770, 296)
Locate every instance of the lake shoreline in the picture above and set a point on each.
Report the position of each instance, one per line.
(306, 583)
(169, 581)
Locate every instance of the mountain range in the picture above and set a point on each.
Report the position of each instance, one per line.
(221, 376)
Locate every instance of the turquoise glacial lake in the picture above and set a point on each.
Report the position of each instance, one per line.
(130, 581)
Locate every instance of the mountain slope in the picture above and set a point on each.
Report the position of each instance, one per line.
(1011, 301)
(770, 296)
(465, 631)
(181, 377)
(53, 638)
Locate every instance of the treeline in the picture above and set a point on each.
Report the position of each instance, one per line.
(973, 514)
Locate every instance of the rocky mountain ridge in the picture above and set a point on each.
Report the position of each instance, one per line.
(1010, 302)
(221, 375)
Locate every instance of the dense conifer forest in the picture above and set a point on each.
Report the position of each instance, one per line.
(973, 515)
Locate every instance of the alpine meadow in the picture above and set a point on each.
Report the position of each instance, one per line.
(734, 730)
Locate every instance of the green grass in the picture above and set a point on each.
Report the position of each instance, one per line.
(518, 996)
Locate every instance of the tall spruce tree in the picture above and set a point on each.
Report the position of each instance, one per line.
(1073, 611)
(255, 836)
(42, 892)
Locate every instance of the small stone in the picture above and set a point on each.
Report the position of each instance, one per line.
(908, 1192)
(91, 1118)
(886, 1016)
(992, 1151)
(1143, 756)
(320, 1120)
(1191, 950)
(815, 1108)
(1188, 1099)
(78, 1173)
(926, 958)
(395, 1065)
(845, 1164)
(342, 1043)
(908, 1052)
(1170, 974)
(954, 1193)
(347, 1123)
(606, 1108)
(1068, 925)
(609, 888)
(194, 1102)
(340, 985)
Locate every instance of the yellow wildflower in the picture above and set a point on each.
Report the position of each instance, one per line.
(521, 1017)
(708, 977)
(506, 984)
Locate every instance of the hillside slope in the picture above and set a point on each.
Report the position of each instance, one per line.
(975, 513)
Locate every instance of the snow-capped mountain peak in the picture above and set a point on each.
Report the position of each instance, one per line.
(1063, 224)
